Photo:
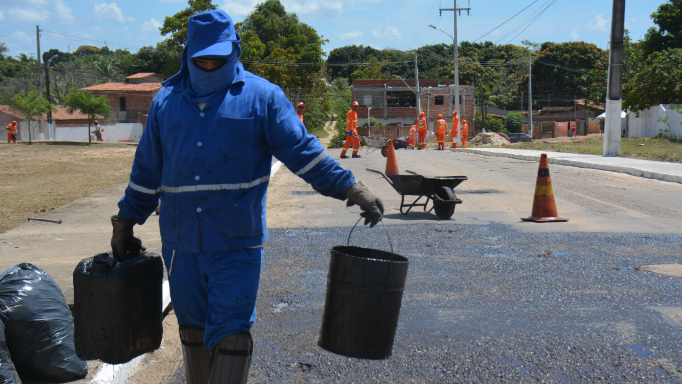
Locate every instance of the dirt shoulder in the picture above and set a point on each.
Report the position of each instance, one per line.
(657, 149)
(41, 177)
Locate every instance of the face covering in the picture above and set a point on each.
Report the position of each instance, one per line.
(203, 85)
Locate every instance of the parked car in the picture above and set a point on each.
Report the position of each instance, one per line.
(503, 135)
(401, 142)
(519, 137)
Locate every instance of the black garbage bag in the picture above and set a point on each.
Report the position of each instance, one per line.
(8, 374)
(38, 325)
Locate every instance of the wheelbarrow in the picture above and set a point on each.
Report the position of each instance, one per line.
(439, 189)
(376, 142)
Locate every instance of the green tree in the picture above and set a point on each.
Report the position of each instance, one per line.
(341, 98)
(515, 122)
(559, 68)
(668, 18)
(88, 104)
(176, 25)
(86, 50)
(150, 59)
(659, 81)
(272, 42)
(374, 71)
(33, 107)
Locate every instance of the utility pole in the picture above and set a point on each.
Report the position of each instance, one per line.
(50, 128)
(455, 44)
(39, 72)
(416, 79)
(530, 98)
(521, 101)
(614, 87)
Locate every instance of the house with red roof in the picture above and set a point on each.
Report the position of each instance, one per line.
(130, 101)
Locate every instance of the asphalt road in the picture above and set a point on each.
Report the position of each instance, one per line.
(488, 298)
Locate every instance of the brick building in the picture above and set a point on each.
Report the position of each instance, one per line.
(394, 102)
(130, 101)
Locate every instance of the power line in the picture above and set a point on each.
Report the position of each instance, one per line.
(506, 21)
(527, 21)
(425, 21)
(538, 16)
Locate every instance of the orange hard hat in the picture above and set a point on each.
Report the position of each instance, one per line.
(421, 114)
(96, 121)
(300, 104)
(355, 104)
(440, 116)
(464, 121)
(454, 112)
(14, 123)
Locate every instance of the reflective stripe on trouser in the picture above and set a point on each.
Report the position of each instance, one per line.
(214, 290)
(351, 140)
(196, 356)
(422, 139)
(231, 359)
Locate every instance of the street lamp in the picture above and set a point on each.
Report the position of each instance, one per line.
(454, 49)
(50, 128)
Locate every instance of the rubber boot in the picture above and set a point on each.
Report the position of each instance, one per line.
(197, 357)
(231, 359)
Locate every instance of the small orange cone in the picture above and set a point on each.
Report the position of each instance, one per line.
(391, 164)
(544, 207)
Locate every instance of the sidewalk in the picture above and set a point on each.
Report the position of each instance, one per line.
(642, 168)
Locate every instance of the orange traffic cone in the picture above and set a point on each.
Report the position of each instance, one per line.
(544, 207)
(391, 164)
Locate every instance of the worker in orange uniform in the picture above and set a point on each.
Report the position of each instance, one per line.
(12, 132)
(299, 110)
(421, 129)
(441, 131)
(98, 131)
(455, 128)
(352, 136)
(413, 130)
(465, 133)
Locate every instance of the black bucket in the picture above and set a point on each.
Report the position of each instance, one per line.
(364, 292)
(117, 307)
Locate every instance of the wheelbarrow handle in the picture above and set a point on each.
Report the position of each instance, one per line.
(381, 173)
(412, 172)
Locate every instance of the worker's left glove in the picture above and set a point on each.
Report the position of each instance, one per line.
(124, 245)
(372, 207)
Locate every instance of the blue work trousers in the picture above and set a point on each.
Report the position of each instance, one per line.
(214, 290)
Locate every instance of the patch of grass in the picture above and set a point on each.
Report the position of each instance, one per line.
(653, 148)
(41, 177)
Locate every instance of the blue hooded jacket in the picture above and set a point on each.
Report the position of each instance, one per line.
(211, 167)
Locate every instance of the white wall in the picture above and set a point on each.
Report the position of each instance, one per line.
(647, 124)
(112, 133)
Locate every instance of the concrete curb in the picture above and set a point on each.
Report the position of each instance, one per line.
(119, 373)
(634, 171)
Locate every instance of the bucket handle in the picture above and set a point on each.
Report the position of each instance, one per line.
(390, 267)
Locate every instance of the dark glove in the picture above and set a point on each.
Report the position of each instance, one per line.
(372, 207)
(123, 244)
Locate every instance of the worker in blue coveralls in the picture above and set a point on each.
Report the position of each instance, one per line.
(206, 152)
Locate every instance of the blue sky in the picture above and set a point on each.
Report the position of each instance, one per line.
(399, 24)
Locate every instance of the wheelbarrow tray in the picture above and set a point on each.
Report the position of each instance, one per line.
(375, 142)
(429, 187)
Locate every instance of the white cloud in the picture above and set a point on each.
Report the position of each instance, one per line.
(21, 36)
(385, 31)
(2, 15)
(29, 15)
(350, 35)
(320, 8)
(496, 33)
(151, 26)
(63, 12)
(597, 24)
(238, 9)
(574, 35)
(110, 12)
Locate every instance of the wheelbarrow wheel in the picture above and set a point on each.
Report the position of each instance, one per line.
(444, 210)
(384, 151)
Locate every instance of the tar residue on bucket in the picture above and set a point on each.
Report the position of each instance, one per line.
(117, 307)
(364, 291)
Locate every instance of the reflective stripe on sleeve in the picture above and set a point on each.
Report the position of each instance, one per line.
(143, 189)
(310, 165)
(215, 187)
